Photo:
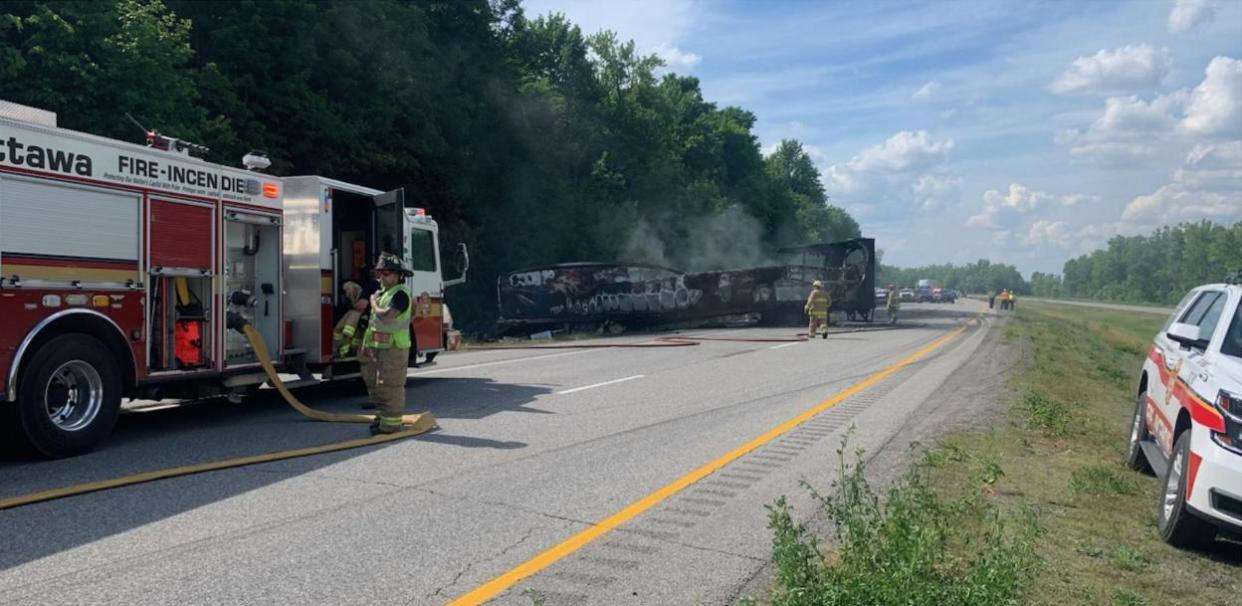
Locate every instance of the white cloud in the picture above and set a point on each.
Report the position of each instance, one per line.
(1006, 210)
(1187, 14)
(910, 167)
(1131, 129)
(927, 90)
(933, 191)
(1175, 203)
(676, 59)
(1044, 232)
(1215, 105)
(1125, 70)
(1076, 199)
(904, 151)
(1207, 186)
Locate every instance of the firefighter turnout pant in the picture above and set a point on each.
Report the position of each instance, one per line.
(819, 321)
(370, 375)
(384, 372)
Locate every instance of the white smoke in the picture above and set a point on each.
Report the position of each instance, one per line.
(730, 239)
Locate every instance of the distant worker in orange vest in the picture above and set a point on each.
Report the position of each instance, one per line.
(1004, 297)
(816, 309)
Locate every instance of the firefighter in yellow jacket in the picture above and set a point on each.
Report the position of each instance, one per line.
(816, 309)
(386, 344)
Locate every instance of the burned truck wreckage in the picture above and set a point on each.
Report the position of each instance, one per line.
(635, 295)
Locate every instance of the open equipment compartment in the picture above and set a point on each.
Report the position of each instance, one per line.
(252, 287)
(333, 232)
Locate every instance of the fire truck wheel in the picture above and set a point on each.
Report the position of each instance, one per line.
(1178, 526)
(70, 395)
(1135, 459)
(431, 357)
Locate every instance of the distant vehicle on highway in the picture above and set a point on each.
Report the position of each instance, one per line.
(944, 295)
(906, 294)
(923, 295)
(1187, 421)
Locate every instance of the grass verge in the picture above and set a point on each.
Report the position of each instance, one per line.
(1039, 510)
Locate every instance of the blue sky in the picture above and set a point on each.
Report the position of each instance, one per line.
(1022, 131)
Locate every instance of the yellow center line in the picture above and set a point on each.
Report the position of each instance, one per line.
(554, 554)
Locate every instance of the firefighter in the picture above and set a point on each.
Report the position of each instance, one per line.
(362, 305)
(816, 309)
(893, 304)
(345, 337)
(386, 344)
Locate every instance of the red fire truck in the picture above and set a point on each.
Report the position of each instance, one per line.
(120, 263)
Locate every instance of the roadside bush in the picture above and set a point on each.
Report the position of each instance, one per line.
(909, 547)
(1044, 413)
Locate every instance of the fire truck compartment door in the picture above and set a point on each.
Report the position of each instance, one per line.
(48, 228)
(181, 235)
(389, 224)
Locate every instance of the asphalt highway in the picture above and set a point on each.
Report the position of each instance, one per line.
(536, 447)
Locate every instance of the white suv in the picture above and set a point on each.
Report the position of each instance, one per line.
(1187, 423)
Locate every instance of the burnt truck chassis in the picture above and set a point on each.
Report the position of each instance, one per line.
(636, 295)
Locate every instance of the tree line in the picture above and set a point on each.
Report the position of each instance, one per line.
(974, 278)
(526, 138)
(1156, 268)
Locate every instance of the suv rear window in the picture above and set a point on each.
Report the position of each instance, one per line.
(1194, 315)
(1181, 305)
(1205, 313)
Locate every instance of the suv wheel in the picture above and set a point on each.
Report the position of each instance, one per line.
(1177, 525)
(1135, 459)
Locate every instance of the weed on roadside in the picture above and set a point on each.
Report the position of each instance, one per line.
(1045, 413)
(909, 546)
(1122, 597)
(1128, 559)
(1102, 479)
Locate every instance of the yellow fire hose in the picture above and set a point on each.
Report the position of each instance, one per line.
(419, 423)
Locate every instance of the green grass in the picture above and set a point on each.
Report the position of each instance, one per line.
(1039, 510)
(909, 546)
(1103, 479)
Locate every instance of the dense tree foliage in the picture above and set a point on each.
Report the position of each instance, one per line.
(526, 138)
(1155, 268)
(974, 278)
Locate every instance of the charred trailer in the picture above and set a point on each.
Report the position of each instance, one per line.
(847, 268)
(591, 294)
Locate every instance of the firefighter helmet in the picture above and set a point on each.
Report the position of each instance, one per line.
(390, 262)
(817, 284)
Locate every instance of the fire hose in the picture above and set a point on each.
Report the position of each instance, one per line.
(418, 422)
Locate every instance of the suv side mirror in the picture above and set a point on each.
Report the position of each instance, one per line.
(461, 264)
(1186, 335)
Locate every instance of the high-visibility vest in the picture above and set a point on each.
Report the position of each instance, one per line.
(398, 329)
(817, 305)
